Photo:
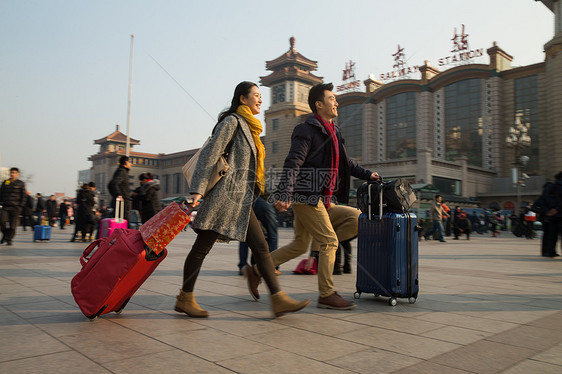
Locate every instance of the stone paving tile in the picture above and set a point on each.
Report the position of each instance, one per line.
(457, 335)
(399, 342)
(392, 322)
(110, 342)
(213, 345)
(428, 367)
(313, 345)
(280, 362)
(536, 338)
(239, 324)
(532, 366)
(27, 341)
(169, 362)
(41, 308)
(71, 323)
(483, 357)
(375, 361)
(61, 363)
(551, 356)
(466, 321)
(319, 323)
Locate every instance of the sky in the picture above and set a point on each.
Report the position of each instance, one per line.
(64, 65)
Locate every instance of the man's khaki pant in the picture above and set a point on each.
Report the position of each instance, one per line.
(312, 222)
(344, 220)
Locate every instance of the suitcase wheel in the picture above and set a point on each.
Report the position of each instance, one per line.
(357, 295)
(412, 300)
(392, 301)
(377, 295)
(92, 319)
(120, 310)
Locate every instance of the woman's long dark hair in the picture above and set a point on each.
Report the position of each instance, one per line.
(243, 88)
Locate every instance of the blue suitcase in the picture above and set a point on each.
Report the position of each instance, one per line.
(41, 233)
(387, 255)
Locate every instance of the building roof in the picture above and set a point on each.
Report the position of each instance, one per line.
(291, 65)
(117, 137)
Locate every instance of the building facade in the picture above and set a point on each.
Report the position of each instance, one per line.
(447, 128)
(165, 167)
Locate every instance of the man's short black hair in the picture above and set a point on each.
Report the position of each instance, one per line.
(14, 169)
(91, 184)
(437, 196)
(558, 176)
(123, 160)
(316, 93)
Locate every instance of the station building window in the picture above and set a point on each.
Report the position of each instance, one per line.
(448, 186)
(350, 120)
(463, 121)
(401, 126)
(527, 106)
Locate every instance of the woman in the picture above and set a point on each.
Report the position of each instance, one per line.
(227, 209)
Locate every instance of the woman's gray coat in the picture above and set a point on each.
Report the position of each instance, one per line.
(226, 208)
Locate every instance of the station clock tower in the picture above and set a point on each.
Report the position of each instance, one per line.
(290, 81)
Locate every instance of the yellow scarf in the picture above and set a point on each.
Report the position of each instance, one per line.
(256, 129)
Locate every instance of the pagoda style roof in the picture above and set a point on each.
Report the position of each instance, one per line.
(116, 137)
(291, 57)
(293, 65)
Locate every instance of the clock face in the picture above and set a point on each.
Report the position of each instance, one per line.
(279, 94)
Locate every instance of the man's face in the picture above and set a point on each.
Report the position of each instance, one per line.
(14, 174)
(128, 164)
(328, 108)
(439, 199)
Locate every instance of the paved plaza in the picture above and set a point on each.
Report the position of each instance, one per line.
(487, 305)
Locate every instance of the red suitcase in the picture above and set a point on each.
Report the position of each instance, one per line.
(113, 269)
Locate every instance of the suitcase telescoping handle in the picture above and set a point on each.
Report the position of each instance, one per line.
(119, 210)
(380, 198)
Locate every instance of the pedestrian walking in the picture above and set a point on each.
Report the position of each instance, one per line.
(27, 211)
(552, 222)
(226, 211)
(12, 199)
(119, 185)
(148, 196)
(52, 210)
(437, 214)
(40, 208)
(63, 213)
(265, 213)
(317, 163)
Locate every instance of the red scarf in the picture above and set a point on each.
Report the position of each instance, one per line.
(330, 184)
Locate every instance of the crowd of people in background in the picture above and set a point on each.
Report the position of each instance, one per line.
(19, 206)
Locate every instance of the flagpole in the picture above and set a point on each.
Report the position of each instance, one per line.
(129, 99)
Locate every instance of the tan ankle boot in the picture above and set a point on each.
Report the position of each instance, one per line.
(186, 304)
(281, 303)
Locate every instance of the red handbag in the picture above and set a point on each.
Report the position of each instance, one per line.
(301, 267)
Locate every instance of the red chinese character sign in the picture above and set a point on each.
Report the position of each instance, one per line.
(349, 81)
(401, 68)
(462, 54)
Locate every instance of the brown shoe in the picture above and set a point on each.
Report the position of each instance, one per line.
(335, 301)
(186, 304)
(282, 304)
(253, 281)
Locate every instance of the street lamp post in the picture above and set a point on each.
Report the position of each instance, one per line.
(518, 139)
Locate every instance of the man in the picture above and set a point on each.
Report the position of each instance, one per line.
(316, 172)
(552, 221)
(12, 199)
(40, 208)
(52, 210)
(119, 185)
(27, 211)
(63, 213)
(437, 213)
